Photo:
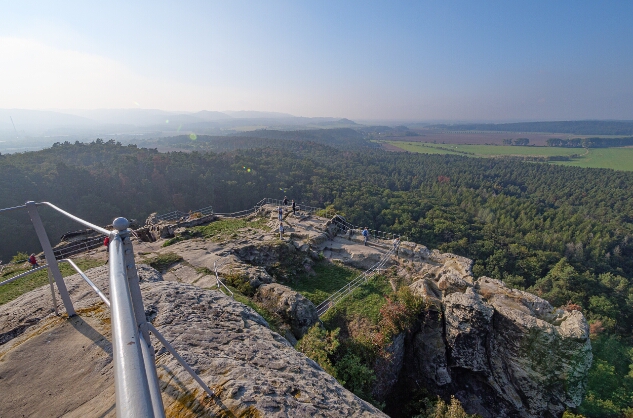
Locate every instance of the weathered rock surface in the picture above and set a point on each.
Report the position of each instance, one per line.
(294, 308)
(502, 352)
(252, 370)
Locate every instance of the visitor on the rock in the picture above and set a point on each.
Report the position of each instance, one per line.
(285, 201)
(281, 213)
(33, 261)
(396, 243)
(365, 236)
(294, 207)
(281, 230)
(106, 243)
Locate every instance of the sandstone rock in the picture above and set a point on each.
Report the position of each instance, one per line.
(502, 352)
(319, 239)
(252, 370)
(255, 276)
(291, 306)
(264, 254)
(468, 322)
(152, 219)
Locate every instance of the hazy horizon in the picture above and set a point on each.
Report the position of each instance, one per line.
(451, 61)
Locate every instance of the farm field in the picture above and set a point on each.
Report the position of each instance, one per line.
(614, 158)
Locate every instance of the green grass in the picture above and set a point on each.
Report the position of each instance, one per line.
(226, 227)
(420, 147)
(486, 150)
(614, 158)
(162, 261)
(328, 279)
(365, 302)
(17, 288)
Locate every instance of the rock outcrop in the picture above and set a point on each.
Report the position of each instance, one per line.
(502, 352)
(291, 306)
(252, 370)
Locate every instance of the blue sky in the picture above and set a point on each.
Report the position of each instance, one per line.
(417, 60)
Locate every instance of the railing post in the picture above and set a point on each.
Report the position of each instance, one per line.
(50, 256)
(121, 224)
(50, 282)
(133, 397)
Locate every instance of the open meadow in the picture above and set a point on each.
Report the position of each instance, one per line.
(614, 158)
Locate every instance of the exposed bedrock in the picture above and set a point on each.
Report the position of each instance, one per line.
(252, 370)
(501, 352)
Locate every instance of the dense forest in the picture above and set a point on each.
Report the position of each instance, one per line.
(564, 233)
(577, 127)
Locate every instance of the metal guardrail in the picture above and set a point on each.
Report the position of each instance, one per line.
(136, 383)
(302, 207)
(245, 212)
(339, 221)
(363, 278)
(176, 215)
(78, 247)
(219, 282)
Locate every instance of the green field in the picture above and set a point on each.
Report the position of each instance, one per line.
(615, 158)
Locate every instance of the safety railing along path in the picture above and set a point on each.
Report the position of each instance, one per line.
(135, 379)
(176, 215)
(363, 278)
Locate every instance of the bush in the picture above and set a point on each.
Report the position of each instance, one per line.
(355, 376)
(443, 410)
(239, 282)
(20, 257)
(319, 345)
(397, 315)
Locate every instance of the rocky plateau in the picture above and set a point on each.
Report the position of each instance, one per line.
(502, 352)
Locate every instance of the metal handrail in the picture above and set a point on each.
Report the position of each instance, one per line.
(78, 247)
(87, 280)
(136, 382)
(364, 277)
(176, 214)
(219, 281)
(76, 219)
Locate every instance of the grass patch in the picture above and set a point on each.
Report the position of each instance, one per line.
(365, 302)
(163, 261)
(614, 158)
(227, 227)
(17, 288)
(329, 278)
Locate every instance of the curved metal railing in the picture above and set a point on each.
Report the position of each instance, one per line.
(136, 383)
(346, 290)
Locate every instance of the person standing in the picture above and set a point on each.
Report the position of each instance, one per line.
(106, 243)
(33, 261)
(281, 230)
(365, 236)
(396, 244)
(294, 207)
(281, 213)
(285, 201)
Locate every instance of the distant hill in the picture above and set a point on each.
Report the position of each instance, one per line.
(212, 115)
(580, 127)
(337, 137)
(28, 120)
(343, 138)
(252, 114)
